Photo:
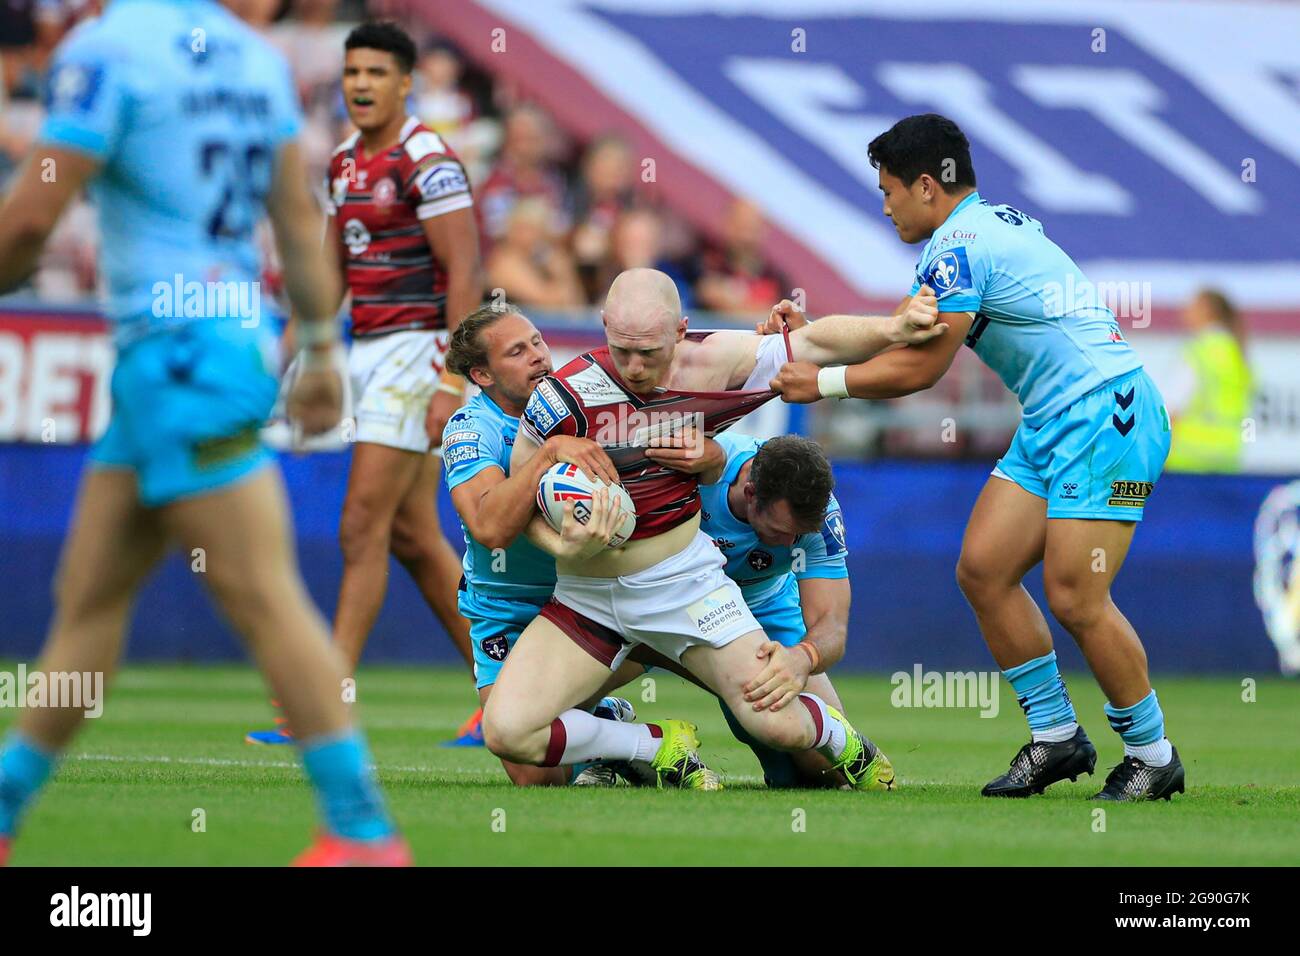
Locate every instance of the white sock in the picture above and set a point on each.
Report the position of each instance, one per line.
(833, 738)
(1054, 735)
(593, 738)
(1156, 754)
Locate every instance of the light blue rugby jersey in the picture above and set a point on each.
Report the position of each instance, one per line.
(481, 436)
(761, 569)
(1038, 322)
(185, 106)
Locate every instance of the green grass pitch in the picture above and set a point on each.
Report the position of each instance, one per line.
(171, 742)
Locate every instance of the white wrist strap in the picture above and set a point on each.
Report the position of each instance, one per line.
(315, 333)
(832, 382)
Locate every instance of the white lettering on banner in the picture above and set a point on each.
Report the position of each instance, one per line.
(1047, 175)
(1130, 104)
(59, 376)
(821, 102)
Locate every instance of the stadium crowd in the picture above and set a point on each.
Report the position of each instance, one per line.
(559, 219)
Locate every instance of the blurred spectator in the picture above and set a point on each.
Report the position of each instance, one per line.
(734, 277)
(526, 168)
(313, 44)
(637, 242)
(1212, 400)
(602, 193)
(530, 263)
(442, 104)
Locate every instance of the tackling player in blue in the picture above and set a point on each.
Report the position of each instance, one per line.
(773, 515)
(507, 579)
(1070, 490)
(182, 123)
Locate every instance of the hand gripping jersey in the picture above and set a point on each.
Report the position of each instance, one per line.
(378, 203)
(1038, 322)
(588, 399)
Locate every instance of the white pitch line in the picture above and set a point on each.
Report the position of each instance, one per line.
(289, 765)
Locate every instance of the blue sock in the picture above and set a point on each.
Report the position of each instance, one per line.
(1041, 692)
(1143, 723)
(24, 769)
(339, 769)
(778, 766)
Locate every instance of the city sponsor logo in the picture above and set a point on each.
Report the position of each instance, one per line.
(75, 690)
(624, 425)
(596, 387)
(716, 611)
(956, 689)
(1129, 494)
(191, 299)
(78, 909)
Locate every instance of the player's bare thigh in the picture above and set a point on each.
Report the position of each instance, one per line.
(522, 774)
(545, 674)
(416, 521)
(1005, 537)
(727, 669)
(112, 543)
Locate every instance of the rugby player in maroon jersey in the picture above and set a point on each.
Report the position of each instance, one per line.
(401, 218)
(665, 588)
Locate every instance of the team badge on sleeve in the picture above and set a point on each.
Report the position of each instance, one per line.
(73, 87)
(949, 272)
(833, 533)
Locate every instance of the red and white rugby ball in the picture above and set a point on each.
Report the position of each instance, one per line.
(566, 482)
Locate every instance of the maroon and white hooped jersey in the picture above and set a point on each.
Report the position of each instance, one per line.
(378, 203)
(587, 398)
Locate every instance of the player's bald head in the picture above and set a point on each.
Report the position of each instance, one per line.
(643, 301)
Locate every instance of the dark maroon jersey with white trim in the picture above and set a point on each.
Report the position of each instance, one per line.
(378, 203)
(589, 399)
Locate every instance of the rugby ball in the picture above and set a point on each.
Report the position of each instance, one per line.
(566, 482)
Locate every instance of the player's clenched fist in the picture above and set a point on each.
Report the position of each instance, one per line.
(784, 313)
(580, 540)
(919, 322)
(797, 383)
(314, 404)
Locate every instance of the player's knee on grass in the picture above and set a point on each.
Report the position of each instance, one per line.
(511, 735)
(524, 775)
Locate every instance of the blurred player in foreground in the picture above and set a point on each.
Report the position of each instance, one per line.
(401, 221)
(507, 579)
(1069, 492)
(664, 588)
(183, 150)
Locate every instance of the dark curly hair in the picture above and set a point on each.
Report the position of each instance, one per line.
(795, 470)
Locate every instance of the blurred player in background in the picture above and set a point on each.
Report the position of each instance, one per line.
(401, 220)
(665, 587)
(1070, 490)
(184, 145)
